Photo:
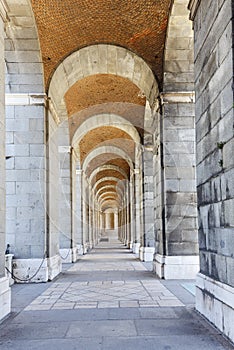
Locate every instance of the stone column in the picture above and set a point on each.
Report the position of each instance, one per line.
(66, 165)
(5, 292)
(148, 243)
(177, 148)
(77, 213)
(91, 223)
(215, 162)
(116, 220)
(132, 210)
(32, 178)
(138, 211)
(85, 214)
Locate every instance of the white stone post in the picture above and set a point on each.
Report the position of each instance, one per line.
(67, 164)
(132, 210)
(148, 242)
(116, 221)
(138, 211)
(85, 213)
(77, 215)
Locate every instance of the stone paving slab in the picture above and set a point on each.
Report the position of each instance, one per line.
(162, 343)
(107, 310)
(101, 294)
(112, 328)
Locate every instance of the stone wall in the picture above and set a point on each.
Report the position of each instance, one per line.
(2, 153)
(213, 30)
(5, 293)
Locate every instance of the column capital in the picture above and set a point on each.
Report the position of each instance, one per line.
(193, 7)
(27, 99)
(79, 171)
(178, 97)
(136, 171)
(64, 149)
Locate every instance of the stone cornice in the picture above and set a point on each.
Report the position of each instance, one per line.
(178, 97)
(16, 99)
(3, 11)
(193, 7)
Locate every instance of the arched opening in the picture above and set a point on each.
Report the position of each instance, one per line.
(100, 137)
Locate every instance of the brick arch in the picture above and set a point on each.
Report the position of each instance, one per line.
(104, 196)
(107, 171)
(105, 179)
(139, 26)
(118, 61)
(109, 202)
(111, 120)
(108, 181)
(105, 189)
(117, 152)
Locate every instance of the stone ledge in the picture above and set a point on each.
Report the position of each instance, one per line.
(66, 255)
(215, 300)
(16, 99)
(178, 97)
(136, 248)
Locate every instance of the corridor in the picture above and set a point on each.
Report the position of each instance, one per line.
(107, 300)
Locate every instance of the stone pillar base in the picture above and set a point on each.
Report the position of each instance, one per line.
(24, 269)
(66, 255)
(80, 249)
(54, 267)
(147, 254)
(215, 301)
(136, 248)
(8, 264)
(176, 267)
(86, 248)
(130, 245)
(5, 297)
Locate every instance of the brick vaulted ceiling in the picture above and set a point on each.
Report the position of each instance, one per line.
(65, 26)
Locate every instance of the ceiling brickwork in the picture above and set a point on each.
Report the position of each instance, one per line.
(106, 136)
(68, 25)
(101, 89)
(107, 159)
(106, 183)
(107, 173)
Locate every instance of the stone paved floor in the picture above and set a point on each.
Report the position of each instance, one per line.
(107, 300)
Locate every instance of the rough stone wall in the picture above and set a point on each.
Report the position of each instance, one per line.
(213, 27)
(2, 153)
